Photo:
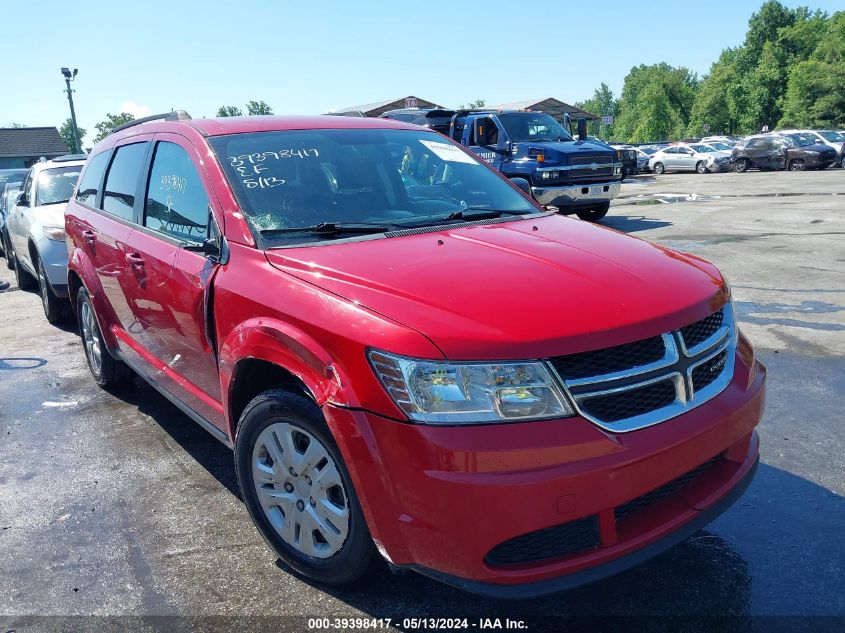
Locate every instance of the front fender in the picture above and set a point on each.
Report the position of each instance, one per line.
(277, 342)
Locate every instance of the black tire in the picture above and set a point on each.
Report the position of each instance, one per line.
(357, 554)
(7, 246)
(111, 371)
(24, 279)
(55, 308)
(593, 214)
(842, 162)
(659, 168)
(700, 167)
(797, 164)
(741, 166)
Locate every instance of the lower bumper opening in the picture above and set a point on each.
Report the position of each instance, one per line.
(581, 535)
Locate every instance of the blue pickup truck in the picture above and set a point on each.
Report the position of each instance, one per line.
(538, 153)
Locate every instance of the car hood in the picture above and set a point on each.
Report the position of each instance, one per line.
(562, 152)
(47, 215)
(816, 147)
(523, 289)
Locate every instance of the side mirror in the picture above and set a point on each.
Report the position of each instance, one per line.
(582, 129)
(22, 199)
(214, 248)
(523, 185)
(567, 122)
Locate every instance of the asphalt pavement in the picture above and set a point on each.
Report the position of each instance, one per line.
(115, 503)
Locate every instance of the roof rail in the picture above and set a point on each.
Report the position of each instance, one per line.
(69, 157)
(173, 115)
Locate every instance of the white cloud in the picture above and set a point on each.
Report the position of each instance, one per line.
(134, 109)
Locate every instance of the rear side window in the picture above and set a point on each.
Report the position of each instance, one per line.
(176, 202)
(89, 184)
(122, 180)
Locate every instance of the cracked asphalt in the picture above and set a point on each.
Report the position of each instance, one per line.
(115, 503)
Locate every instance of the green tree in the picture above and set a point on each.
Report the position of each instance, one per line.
(258, 107)
(104, 128)
(472, 105)
(815, 95)
(66, 132)
(656, 103)
(602, 103)
(716, 100)
(229, 111)
(16, 125)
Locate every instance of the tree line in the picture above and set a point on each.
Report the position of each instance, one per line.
(111, 121)
(788, 72)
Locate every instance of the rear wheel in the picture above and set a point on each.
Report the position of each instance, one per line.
(7, 248)
(24, 279)
(797, 164)
(741, 165)
(594, 214)
(298, 490)
(700, 167)
(842, 162)
(659, 168)
(55, 309)
(105, 369)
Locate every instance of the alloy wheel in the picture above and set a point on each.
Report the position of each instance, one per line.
(300, 490)
(91, 337)
(797, 164)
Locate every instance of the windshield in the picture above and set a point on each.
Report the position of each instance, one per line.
(56, 185)
(289, 182)
(800, 140)
(648, 150)
(833, 137)
(724, 147)
(11, 175)
(533, 126)
(705, 149)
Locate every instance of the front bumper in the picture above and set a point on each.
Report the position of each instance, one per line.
(53, 254)
(577, 195)
(720, 166)
(439, 499)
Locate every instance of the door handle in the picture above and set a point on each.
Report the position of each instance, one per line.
(134, 260)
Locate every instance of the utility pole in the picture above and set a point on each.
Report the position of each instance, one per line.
(77, 147)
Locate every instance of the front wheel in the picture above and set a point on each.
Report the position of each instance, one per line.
(797, 164)
(298, 490)
(700, 167)
(7, 247)
(741, 165)
(659, 168)
(55, 309)
(842, 162)
(594, 214)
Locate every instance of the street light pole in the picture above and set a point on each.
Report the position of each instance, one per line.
(77, 146)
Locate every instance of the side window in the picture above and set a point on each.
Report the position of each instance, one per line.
(672, 150)
(122, 180)
(89, 184)
(755, 142)
(176, 202)
(27, 184)
(487, 133)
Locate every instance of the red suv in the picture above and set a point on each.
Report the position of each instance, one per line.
(408, 355)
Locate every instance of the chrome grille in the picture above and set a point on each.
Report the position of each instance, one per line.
(639, 384)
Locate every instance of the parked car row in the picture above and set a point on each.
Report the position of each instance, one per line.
(397, 342)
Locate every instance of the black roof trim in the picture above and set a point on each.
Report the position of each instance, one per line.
(173, 115)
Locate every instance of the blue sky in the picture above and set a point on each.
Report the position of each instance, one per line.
(312, 57)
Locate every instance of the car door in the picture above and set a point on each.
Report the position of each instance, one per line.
(686, 159)
(485, 136)
(670, 158)
(169, 289)
(106, 231)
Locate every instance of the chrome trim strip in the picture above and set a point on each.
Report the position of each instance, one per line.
(686, 398)
(599, 165)
(670, 357)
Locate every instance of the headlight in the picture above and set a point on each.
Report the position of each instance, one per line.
(54, 233)
(470, 393)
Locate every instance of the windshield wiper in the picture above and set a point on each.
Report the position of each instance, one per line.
(330, 228)
(478, 213)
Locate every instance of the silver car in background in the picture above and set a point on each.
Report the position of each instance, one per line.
(682, 157)
(9, 178)
(36, 228)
